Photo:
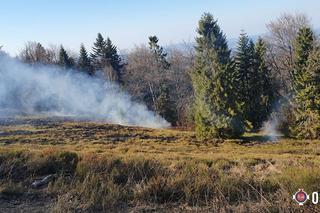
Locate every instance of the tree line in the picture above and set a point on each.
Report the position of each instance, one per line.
(235, 94)
(221, 92)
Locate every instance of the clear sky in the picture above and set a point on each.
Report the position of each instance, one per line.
(130, 22)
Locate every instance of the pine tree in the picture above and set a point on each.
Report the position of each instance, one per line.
(243, 70)
(302, 48)
(64, 60)
(306, 97)
(216, 112)
(307, 101)
(105, 57)
(161, 92)
(113, 59)
(158, 52)
(98, 55)
(84, 63)
(262, 91)
(254, 87)
(165, 105)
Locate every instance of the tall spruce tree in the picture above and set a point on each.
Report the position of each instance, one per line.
(306, 96)
(165, 106)
(159, 53)
(263, 91)
(254, 87)
(307, 101)
(217, 114)
(163, 103)
(105, 56)
(243, 70)
(64, 60)
(302, 47)
(113, 59)
(98, 52)
(84, 63)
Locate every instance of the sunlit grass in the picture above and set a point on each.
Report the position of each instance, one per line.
(101, 166)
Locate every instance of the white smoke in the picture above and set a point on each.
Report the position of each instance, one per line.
(48, 89)
(271, 126)
(269, 129)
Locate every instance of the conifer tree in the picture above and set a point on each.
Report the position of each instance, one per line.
(165, 106)
(105, 56)
(307, 101)
(160, 93)
(64, 60)
(113, 59)
(158, 52)
(302, 47)
(254, 87)
(263, 91)
(243, 70)
(98, 52)
(217, 114)
(84, 63)
(306, 96)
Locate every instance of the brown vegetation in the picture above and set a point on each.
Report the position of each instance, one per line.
(100, 167)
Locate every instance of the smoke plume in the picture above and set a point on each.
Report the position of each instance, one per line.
(270, 129)
(51, 90)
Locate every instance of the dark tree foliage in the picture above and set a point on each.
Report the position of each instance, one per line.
(212, 37)
(217, 114)
(254, 83)
(244, 71)
(158, 52)
(64, 60)
(98, 52)
(113, 59)
(165, 105)
(161, 91)
(105, 57)
(306, 96)
(84, 62)
(303, 46)
(264, 89)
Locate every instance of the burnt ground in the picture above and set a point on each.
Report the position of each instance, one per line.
(27, 202)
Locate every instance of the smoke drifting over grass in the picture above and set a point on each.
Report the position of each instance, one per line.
(270, 129)
(52, 90)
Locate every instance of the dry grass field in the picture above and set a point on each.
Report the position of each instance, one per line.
(111, 168)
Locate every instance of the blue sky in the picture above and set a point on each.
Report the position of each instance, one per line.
(130, 22)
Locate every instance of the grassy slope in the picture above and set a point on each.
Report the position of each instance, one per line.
(99, 166)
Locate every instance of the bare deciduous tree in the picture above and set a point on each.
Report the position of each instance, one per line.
(53, 54)
(34, 52)
(181, 62)
(280, 46)
(143, 79)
